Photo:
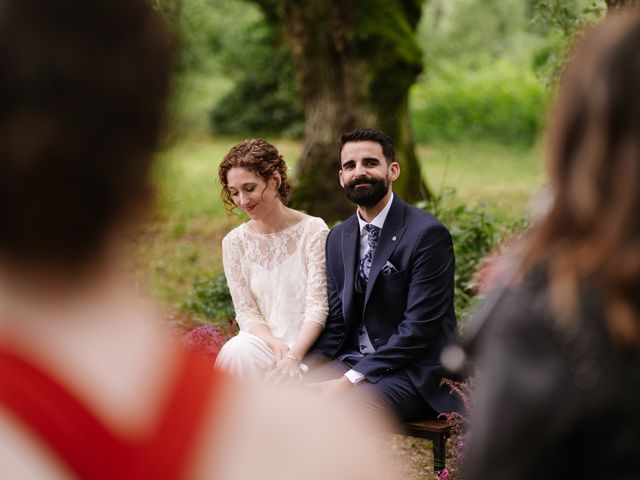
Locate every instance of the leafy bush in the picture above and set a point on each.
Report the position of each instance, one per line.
(265, 98)
(562, 23)
(263, 102)
(206, 340)
(488, 100)
(210, 298)
(475, 234)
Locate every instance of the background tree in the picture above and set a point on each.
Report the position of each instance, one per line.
(265, 100)
(355, 61)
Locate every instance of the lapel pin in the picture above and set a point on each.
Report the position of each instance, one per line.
(394, 238)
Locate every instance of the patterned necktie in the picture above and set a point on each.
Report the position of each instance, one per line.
(373, 233)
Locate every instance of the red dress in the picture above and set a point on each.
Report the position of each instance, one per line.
(89, 448)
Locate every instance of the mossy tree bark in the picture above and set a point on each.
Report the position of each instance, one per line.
(355, 61)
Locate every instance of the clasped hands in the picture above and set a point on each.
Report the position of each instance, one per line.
(285, 368)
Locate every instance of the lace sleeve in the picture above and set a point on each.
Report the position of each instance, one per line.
(247, 311)
(316, 303)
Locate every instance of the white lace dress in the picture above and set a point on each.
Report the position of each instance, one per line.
(276, 279)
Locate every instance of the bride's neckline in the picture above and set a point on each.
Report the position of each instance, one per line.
(284, 230)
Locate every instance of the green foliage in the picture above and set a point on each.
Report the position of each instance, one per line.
(480, 83)
(203, 29)
(562, 22)
(461, 30)
(234, 77)
(475, 234)
(495, 100)
(210, 298)
(567, 16)
(389, 25)
(265, 99)
(263, 102)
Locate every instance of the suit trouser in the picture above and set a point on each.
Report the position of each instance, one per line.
(394, 393)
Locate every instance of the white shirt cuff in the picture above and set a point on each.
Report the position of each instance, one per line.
(354, 377)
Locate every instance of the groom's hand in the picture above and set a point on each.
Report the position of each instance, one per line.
(332, 388)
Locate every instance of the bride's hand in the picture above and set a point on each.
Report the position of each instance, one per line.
(284, 371)
(279, 349)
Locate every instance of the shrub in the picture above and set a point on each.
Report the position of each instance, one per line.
(210, 298)
(458, 440)
(489, 100)
(264, 102)
(206, 340)
(265, 99)
(475, 234)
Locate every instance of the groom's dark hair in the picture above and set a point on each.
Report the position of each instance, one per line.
(373, 135)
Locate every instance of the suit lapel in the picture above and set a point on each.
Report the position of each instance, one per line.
(390, 237)
(350, 239)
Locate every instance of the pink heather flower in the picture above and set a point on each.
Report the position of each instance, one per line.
(205, 339)
(443, 475)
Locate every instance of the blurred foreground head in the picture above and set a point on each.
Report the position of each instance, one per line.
(592, 230)
(82, 88)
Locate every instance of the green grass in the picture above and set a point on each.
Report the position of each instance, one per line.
(187, 177)
(504, 177)
(183, 239)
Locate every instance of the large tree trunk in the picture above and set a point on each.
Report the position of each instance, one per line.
(355, 62)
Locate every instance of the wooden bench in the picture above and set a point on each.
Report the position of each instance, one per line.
(435, 430)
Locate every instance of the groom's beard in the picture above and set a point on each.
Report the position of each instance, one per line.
(369, 195)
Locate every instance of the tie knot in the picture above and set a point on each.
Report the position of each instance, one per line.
(373, 233)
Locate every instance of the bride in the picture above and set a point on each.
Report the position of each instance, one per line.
(274, 265)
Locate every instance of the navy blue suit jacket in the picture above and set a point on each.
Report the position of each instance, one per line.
(408, 313)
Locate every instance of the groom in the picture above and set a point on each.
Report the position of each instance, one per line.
(390, 282)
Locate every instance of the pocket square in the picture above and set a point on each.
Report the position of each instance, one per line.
(388, 269)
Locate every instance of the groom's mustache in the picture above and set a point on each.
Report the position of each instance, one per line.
(361, 181)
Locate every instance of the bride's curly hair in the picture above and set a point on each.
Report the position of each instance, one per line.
(260, 157)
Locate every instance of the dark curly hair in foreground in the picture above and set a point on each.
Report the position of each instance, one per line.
(83, 87)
